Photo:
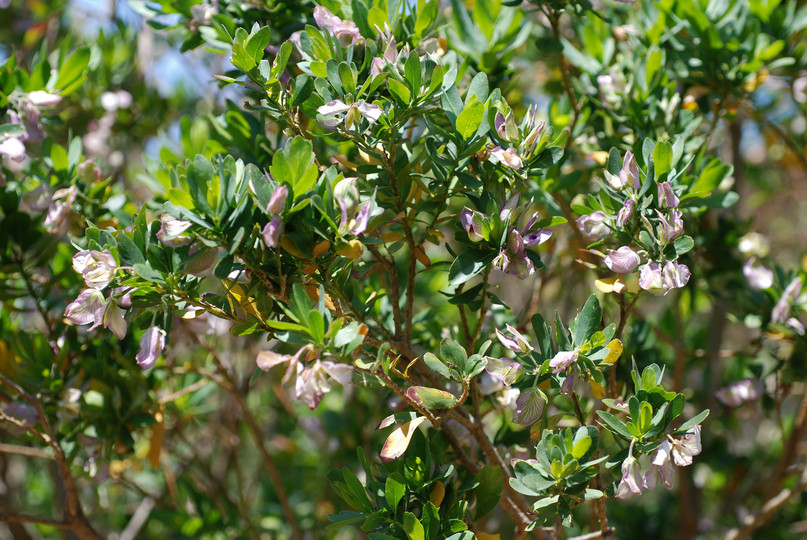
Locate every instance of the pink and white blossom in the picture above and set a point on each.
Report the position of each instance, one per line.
(623, 260)
(516, 341)
(508, 157)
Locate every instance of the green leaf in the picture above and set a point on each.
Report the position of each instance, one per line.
(394, 490)
(662, 158)
(467, 265)
(412, 72)
(128, 251)
(413, 527)
(431, 398)
(469, 119)
(73, 71)
(435, 364)
(453, 352)
(489, 491)
(588, 322)
(257, 43)
(692, 422)
(615, 425)
(399, 91)
(356, 489)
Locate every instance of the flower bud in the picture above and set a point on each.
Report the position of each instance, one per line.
(272, 231)
(152, 344)
(277, 202)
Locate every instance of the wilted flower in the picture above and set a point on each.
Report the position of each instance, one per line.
(622, 261)
(594, 226)
(758, 277)
(312, 382)
(507, 157)
(684, 449)
(113, 319)
(268, 359)
(628, 175)
(171, 230)
(345, 31)
(59, 209)
(504, 370)
(625, 213)
(12, 148)
(152, 344)
(666, 195)
(354, 111)
(272, 231)
(87, 308)
(670, 230)
(632, 480)
(516, 342)
(474, 224)
(349, 223)
(562, 360)
(781, 311)
(529, 406)
(97, 268)
(662, 460)
(739, 392)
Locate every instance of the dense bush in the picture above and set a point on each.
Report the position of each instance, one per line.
(492, 269)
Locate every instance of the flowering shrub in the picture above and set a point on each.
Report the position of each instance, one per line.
(481, 260)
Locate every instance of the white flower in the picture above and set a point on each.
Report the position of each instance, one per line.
(562, 360)
(12, 148)
(171, 230)
(517, 343)
(40, 98)
(507, 157)
(758, 277)
(87, 308)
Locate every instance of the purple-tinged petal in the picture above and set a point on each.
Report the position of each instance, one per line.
(272, 231)
(529, 407)
(152, 344)
(623, 260)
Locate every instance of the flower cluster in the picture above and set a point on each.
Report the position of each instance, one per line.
(523, 142)
(658, 275)
(670, 453)
(523, 226)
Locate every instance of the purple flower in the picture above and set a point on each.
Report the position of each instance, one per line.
(59, 210)
(628, 175)
(562, 360)
(152, 344)
(277, 202)
(529, 406)
(758, 277)
(506, 126)
(515, 342)
(312, 383)
(345, 31)
(666, 195)
(651, 279)
(594, 226)
(625, 213)
(739, 392)
(622, 261)
(272, 231)
(473, 222)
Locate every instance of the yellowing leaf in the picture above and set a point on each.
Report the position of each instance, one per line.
(245, 302)
(321, 248)
(609, 285)
(614, 351)
(398, 441)
(597, 389)
(487, 536)
(421, 256)
(156, 442)
(289, 245)
(351, 250)
(437, 493)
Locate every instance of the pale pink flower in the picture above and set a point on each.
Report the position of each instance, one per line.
(171, 230)
(97, 268)
(507, 157)
(529, 406)
(562, 360)
(594, 226)
(13, 149)
(345, 31)
(739, 392)
(756, 275)
(623, 260)
(87, 308)
(272, 231)
(152, 344)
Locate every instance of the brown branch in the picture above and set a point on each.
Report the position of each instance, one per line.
(223, 378)
(24, 450)
(768, 510)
